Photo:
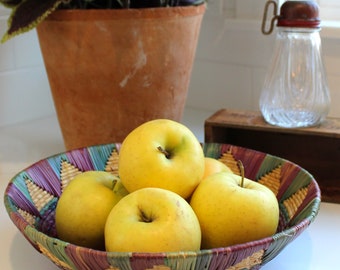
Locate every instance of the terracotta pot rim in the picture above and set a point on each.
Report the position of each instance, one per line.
(111, 14)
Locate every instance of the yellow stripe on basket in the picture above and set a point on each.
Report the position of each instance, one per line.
(159, 267)
(228, 159)
(53, 258)
(67, 173)
(112, 163)
(272, 180)
(249, 262)
(39, 196)
(27, 216)
(293, 202)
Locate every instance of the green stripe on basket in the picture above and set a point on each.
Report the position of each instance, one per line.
(302, 179)
(50, 247)
(212, 150)
(309, 212)
(119, 260)
(187, 260)
(269, 163)
(100, 155)
(280, 241)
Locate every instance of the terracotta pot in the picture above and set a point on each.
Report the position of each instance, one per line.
(111, 70)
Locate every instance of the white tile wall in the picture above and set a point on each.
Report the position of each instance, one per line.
(6, 49)
(24, 95)
(230, 66)
(24, 88)
(232, 59)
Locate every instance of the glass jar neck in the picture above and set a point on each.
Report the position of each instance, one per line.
(301, 30)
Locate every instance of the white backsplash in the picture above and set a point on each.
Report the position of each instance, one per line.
(231, 61)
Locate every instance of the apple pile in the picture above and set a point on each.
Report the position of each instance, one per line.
(168, 197)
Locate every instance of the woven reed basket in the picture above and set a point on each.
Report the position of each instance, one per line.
(32, 195)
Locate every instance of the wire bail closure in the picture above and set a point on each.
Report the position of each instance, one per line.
(265, 15)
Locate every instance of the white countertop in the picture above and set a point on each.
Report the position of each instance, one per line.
(23, 144)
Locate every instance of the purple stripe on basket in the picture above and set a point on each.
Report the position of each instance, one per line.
(223, 147)
(20, 200)
(251, 160)
(282, 223)
(313, 192)
(141, 261)
(84, 258)
(43, 176)
(46, 224)
(299, 228)
(224, 259)
(55, 163)
(19, 221)
(289, 173)
(81, 159)
(22, 225)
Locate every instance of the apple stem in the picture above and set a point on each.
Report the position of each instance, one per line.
(240, 165)
(166, 153)
(114, 183)
(144, 217)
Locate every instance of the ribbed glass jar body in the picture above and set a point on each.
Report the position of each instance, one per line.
(295, 91)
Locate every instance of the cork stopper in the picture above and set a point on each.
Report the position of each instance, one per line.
(299, 14)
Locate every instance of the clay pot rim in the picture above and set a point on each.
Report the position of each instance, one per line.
(119, 14)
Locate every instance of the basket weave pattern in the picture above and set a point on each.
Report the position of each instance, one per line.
(32, 195)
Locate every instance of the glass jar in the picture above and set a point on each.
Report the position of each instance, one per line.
(295, 92)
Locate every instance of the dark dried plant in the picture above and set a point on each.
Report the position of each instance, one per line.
(27, 14)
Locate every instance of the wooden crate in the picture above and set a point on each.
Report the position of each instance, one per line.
(316, 149)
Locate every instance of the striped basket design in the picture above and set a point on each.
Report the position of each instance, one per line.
(32, 195)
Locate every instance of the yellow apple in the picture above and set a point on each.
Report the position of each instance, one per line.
(161, 153)
(84, 205)
(152, 220)
(233, 214)
(213, 165)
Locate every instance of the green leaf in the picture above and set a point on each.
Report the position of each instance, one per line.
(10, 3)
(27, 15)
